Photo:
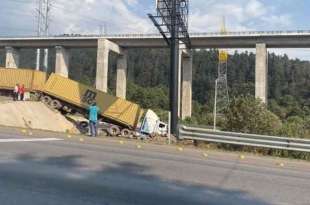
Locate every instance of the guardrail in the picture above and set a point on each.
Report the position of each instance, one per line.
(263, 141)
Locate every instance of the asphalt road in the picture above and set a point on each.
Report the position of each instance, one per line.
(106, 172)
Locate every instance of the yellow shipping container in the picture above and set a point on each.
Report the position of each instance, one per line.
(38, 80)
(116, 109)
(31, 79)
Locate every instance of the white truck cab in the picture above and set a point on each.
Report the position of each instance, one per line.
(151, 125)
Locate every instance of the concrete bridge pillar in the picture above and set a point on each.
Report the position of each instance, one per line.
(261, 73)
(104, 48)
(180, 81)
(12, 57)
(62, 61)
(186, 104)
(185, 83)
(121, 75)
(102, 65)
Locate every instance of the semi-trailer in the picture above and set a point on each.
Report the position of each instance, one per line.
(117, 116)
(31, 79)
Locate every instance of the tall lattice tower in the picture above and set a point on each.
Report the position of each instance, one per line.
(221, 98)
(43, 15)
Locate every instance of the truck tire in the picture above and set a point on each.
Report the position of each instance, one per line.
(67, 109)
(55, 104)
(46, 99)
(102, 132)
(83, 127)
(114, 130)
(37, 95)
(126, 133)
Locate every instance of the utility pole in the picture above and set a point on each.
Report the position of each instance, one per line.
(39, 30)
(102, 29)
(46, 32)
(105, 28)
(43, 30)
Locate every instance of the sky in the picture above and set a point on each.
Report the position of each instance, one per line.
(18, 17)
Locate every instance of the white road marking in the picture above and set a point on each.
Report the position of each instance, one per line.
(30, 140)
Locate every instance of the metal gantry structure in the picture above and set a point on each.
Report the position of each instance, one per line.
(43, 11)
(171, 20)
(172, 16)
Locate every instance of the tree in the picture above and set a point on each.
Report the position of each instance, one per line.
(296, 127)
(148, 97)
(249, 115)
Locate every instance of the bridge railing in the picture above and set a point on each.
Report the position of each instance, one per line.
(251, 33)
(214, 34)
(210, 34)
(154, 35)
(263, 141)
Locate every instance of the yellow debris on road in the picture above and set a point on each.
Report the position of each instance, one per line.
(205, 154)
(242, 156)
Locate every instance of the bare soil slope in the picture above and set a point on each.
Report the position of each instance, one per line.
(33, 115)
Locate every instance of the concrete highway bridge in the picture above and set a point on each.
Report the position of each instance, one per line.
(120, 43)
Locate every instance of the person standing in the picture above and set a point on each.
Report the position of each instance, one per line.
(93, 118)
(22, 92)
(19, 87)
(15, 92)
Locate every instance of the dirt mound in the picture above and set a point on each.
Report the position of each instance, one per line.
(33, 115)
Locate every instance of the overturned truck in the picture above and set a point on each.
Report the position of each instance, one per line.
(117, 116)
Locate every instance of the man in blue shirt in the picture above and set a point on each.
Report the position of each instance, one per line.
(93, 118)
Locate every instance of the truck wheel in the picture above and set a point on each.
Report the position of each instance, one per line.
(67, 109)
(37, 95)
(102, 132)
(46, 99)
(114, 130)
(126, 133)
(83, 127)
(55, 104)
